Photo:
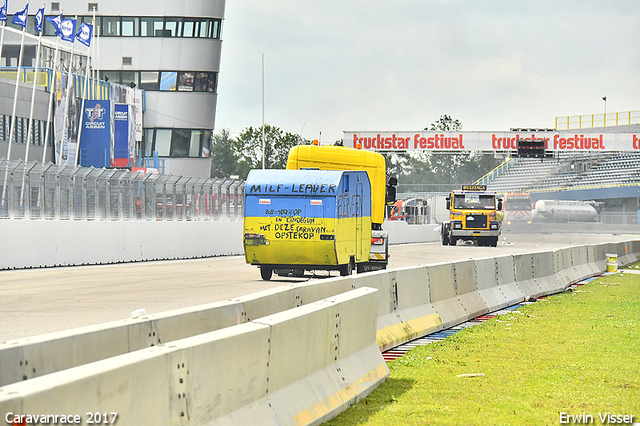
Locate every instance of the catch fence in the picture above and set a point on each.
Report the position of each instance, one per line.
(33, 190)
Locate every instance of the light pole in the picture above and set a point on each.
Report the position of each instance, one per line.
(604, 98)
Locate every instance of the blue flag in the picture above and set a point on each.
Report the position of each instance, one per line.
(3, 11)
(68, 30)
(84, 34)
(56, 21)
(20, 17)
(39, 17)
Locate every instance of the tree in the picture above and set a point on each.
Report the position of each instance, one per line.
(248, 149)
(446, 124)
(223, 157)
(444, 169)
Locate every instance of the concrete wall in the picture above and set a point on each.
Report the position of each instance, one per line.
(40, 243)
(301, 366)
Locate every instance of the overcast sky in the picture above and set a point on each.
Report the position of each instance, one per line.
(352, 65)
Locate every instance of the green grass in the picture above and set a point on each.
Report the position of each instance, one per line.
(576, 352)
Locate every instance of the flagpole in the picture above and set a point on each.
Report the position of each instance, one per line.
(15, 96)
(84, 93)
(33, 92)
(51, 92)
(4, 24)
(65, 140)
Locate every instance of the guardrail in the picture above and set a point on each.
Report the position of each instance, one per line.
(98, 367)
(569, 122)
(32, 190)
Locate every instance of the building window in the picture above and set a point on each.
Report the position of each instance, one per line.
(168, 81)
(55, 7)
(149, 80)
(93, 7)
(110, 26)
(162, 143)
(133, 26)
(130, 26)
(194, 143)
(127, 61)
(178, 143)
(151, 26)
(185, 81)
(129, 77)
(173, 27)
(165, 81)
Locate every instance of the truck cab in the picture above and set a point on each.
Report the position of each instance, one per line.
(474, 215)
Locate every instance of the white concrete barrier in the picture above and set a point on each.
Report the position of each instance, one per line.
(400, 232)
(113, 241)
(253, 373)
(487, 284)
(544, 273)
(30, 357)
(507, 280)
(443, 295)
(581, 262)
(464, 273)
(592, 258)
(405, 308)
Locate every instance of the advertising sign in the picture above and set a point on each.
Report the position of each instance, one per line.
(66, 120)
(124, 135)
(567, 140)
(95, 142)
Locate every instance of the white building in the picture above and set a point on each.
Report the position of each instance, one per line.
(171, 50)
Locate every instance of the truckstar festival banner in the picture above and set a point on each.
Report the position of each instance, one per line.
(571, 141)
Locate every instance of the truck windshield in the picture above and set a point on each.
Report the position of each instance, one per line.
(474, 201)
(518, 204)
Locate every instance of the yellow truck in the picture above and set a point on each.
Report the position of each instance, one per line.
(474, 215)
(330, 157)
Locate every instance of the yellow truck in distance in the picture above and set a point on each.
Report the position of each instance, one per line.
(474, 215)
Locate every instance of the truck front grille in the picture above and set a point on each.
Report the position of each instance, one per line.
(476, 221)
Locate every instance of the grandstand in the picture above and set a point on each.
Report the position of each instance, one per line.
(567, 171)
(610, 178)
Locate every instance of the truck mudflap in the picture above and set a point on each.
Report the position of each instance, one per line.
(379, 253)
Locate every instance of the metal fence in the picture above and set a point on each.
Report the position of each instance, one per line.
(32, 190)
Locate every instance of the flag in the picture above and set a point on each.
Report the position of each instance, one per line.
(84, 34)
(3, 11)
(20, 17)
(39, 17)
(68, 30)
(56, 23)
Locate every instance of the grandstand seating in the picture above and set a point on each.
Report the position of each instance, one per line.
(568, 170)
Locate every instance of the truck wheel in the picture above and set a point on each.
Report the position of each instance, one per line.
(444, 235)
(346, 270)
(494, 242)
(453, 241)
(266, 273)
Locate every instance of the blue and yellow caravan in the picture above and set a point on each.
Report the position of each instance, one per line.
(306, 220)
